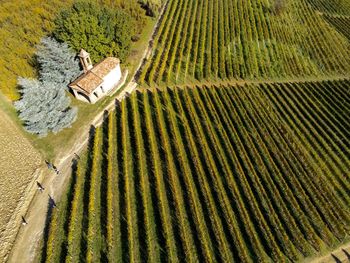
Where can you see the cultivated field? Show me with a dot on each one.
(254, 168)
(211, 174)
(18, 162)
(207, 40)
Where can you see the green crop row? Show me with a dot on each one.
(208, 40)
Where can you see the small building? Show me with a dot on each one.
(97, 80)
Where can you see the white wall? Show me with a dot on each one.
(111, 79)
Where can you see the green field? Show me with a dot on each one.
(244, 40)
(238, 173)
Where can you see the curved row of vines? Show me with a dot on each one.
(211, 174)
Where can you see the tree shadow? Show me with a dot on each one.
(346, 253)
(33, 62)
(85, 222)
(336, 259)
(103, 189)
(46, 231)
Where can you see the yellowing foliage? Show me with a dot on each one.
(22, 24)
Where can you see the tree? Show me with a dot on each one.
(122, 33)
(44, 107)
(151, 6)
(101, 31)
(22, 24)
(58, 63)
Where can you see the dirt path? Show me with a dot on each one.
(28, 237)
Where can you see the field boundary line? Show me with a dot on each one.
(219, 83)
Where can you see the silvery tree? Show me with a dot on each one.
(57, 62)
(44, 107)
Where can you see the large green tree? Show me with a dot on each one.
(152, 6)
(101, 31)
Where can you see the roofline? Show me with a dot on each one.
(75, 82)
(83, 75)
(106, 59)
(77, 88)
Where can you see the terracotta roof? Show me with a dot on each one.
(102, 68)
(90, 80)
(87, 82)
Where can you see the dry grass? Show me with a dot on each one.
(18, 162)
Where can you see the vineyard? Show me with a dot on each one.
(231, 173)
(210, 40)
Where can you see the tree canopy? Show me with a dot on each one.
(24, 24)
(101, 31)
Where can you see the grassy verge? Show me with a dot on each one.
(137, 48)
